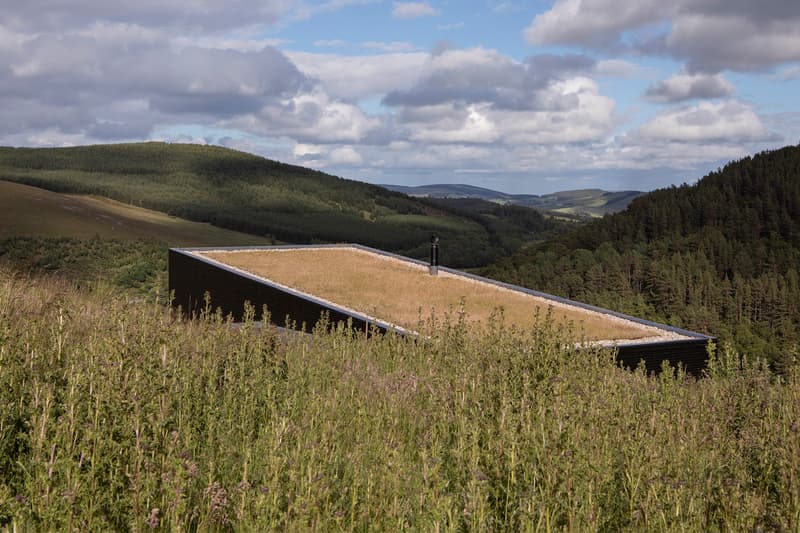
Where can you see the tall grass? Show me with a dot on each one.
(115, 415)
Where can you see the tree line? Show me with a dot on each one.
(720, 257)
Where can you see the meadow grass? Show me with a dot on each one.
(118, 415)
(402, 293)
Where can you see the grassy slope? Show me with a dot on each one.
(34, 212)
(89, 239)
(248, 193)
(582, 203)
(118, 417)
(585, 203)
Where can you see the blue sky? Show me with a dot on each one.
(525, 97)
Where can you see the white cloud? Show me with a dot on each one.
(81, 83)
(240, 43)
(310, 118)
(450, 124)
(586, 116)
(689, 86)
(115, 33)
(408, 10)
(596, 23)
(302, 150)
(715, 42)
(481, 96)
(711, 35)
(478, 75)
(393, 47)
(360, 77)
(589, 119)
(345, 155)
(708, 121)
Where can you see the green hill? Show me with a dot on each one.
(247, 193)
(34, 212)
(719, 257)
(87, 239)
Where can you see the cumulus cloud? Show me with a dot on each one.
(345, 155)
(711, 35)
(711, 43)
(73, 71)
(408, 10)
(707, 121)
(115, 80)
(593, 23)
(309, 117)
(361, 77)
(480, 96)
(690, 86)
(478, 76)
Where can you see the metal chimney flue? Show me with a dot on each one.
(434, 267)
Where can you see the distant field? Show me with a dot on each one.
(403, 293)
(34, 212)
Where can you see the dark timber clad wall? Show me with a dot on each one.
(191, 277)
(690, 353)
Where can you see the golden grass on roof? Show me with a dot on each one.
(402, 293)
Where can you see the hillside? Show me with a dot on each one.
(88, 239)
(118, 416)
(34, 212)
(247, 193)
(581, 203)
(719, 257)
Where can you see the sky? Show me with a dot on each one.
(518, 96)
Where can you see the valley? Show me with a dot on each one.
(577, 204)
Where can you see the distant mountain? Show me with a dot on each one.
(586, 203)
(446, 190)
(247, 193)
